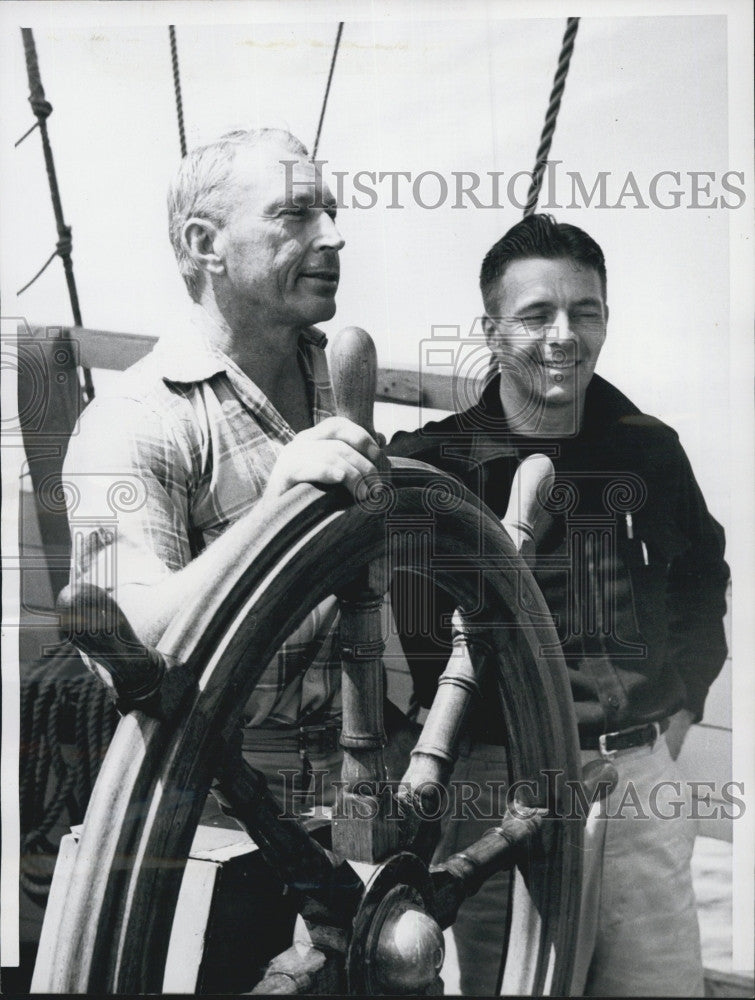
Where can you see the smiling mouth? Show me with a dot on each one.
(331, 277)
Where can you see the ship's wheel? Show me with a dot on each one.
(189, 696)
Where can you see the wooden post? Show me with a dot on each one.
(526, 518)
(435, 754)
(365, 825)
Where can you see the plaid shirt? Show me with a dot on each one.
(159, 467)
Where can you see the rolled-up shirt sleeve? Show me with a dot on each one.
(126, 483)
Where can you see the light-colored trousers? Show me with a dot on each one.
(638, 932)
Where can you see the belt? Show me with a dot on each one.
(610, 744)
(322, 738)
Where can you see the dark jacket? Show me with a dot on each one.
(632, 571)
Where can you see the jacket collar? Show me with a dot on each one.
(492, 437)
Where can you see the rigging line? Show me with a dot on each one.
(40, 272)
(42, 109)
(177, 88)
(26, 135)
(551, 116)
(546, 137)
(327, 89)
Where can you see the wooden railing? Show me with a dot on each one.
(117, 351)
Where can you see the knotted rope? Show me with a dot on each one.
(551, 116)
(177, 88)
(42, 110)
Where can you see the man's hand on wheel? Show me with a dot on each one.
(335, 452)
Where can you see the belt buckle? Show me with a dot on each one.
(608, 755)
(327, 738)
(605, 753)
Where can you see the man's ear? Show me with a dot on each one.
(492, 334)
(204, 244)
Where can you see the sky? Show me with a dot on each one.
(415, 94)
(439, 87)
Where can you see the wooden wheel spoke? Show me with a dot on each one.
(499, 849)
(301, 862)
(435, 754)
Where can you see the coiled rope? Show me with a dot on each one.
(67, 723)
(551, 115)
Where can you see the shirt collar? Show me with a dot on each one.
(190, 356)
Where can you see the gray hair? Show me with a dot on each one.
(200, 187)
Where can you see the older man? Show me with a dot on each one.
(631, 566)
(228, 411)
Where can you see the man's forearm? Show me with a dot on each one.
(150, 608)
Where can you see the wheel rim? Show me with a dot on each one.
(146, 805)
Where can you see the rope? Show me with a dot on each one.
(40, 272)
(63, 776)
(327, 89)
(39, 744)
(58, 710)
(26, 134)
(95, 711)
(26, 786)
(42, 110)
(546, 138)
(84, 775)
(177, 88)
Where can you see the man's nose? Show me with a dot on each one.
(560, 328)
(328, 236)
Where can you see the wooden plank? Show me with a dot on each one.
(187, 936)
(105, 348)
(413, 388)
(50, 401)
(36, 588)
(204, 900)
(56, 903)
(728, 984)
(116, 351)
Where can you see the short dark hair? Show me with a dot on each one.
(539, 236)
